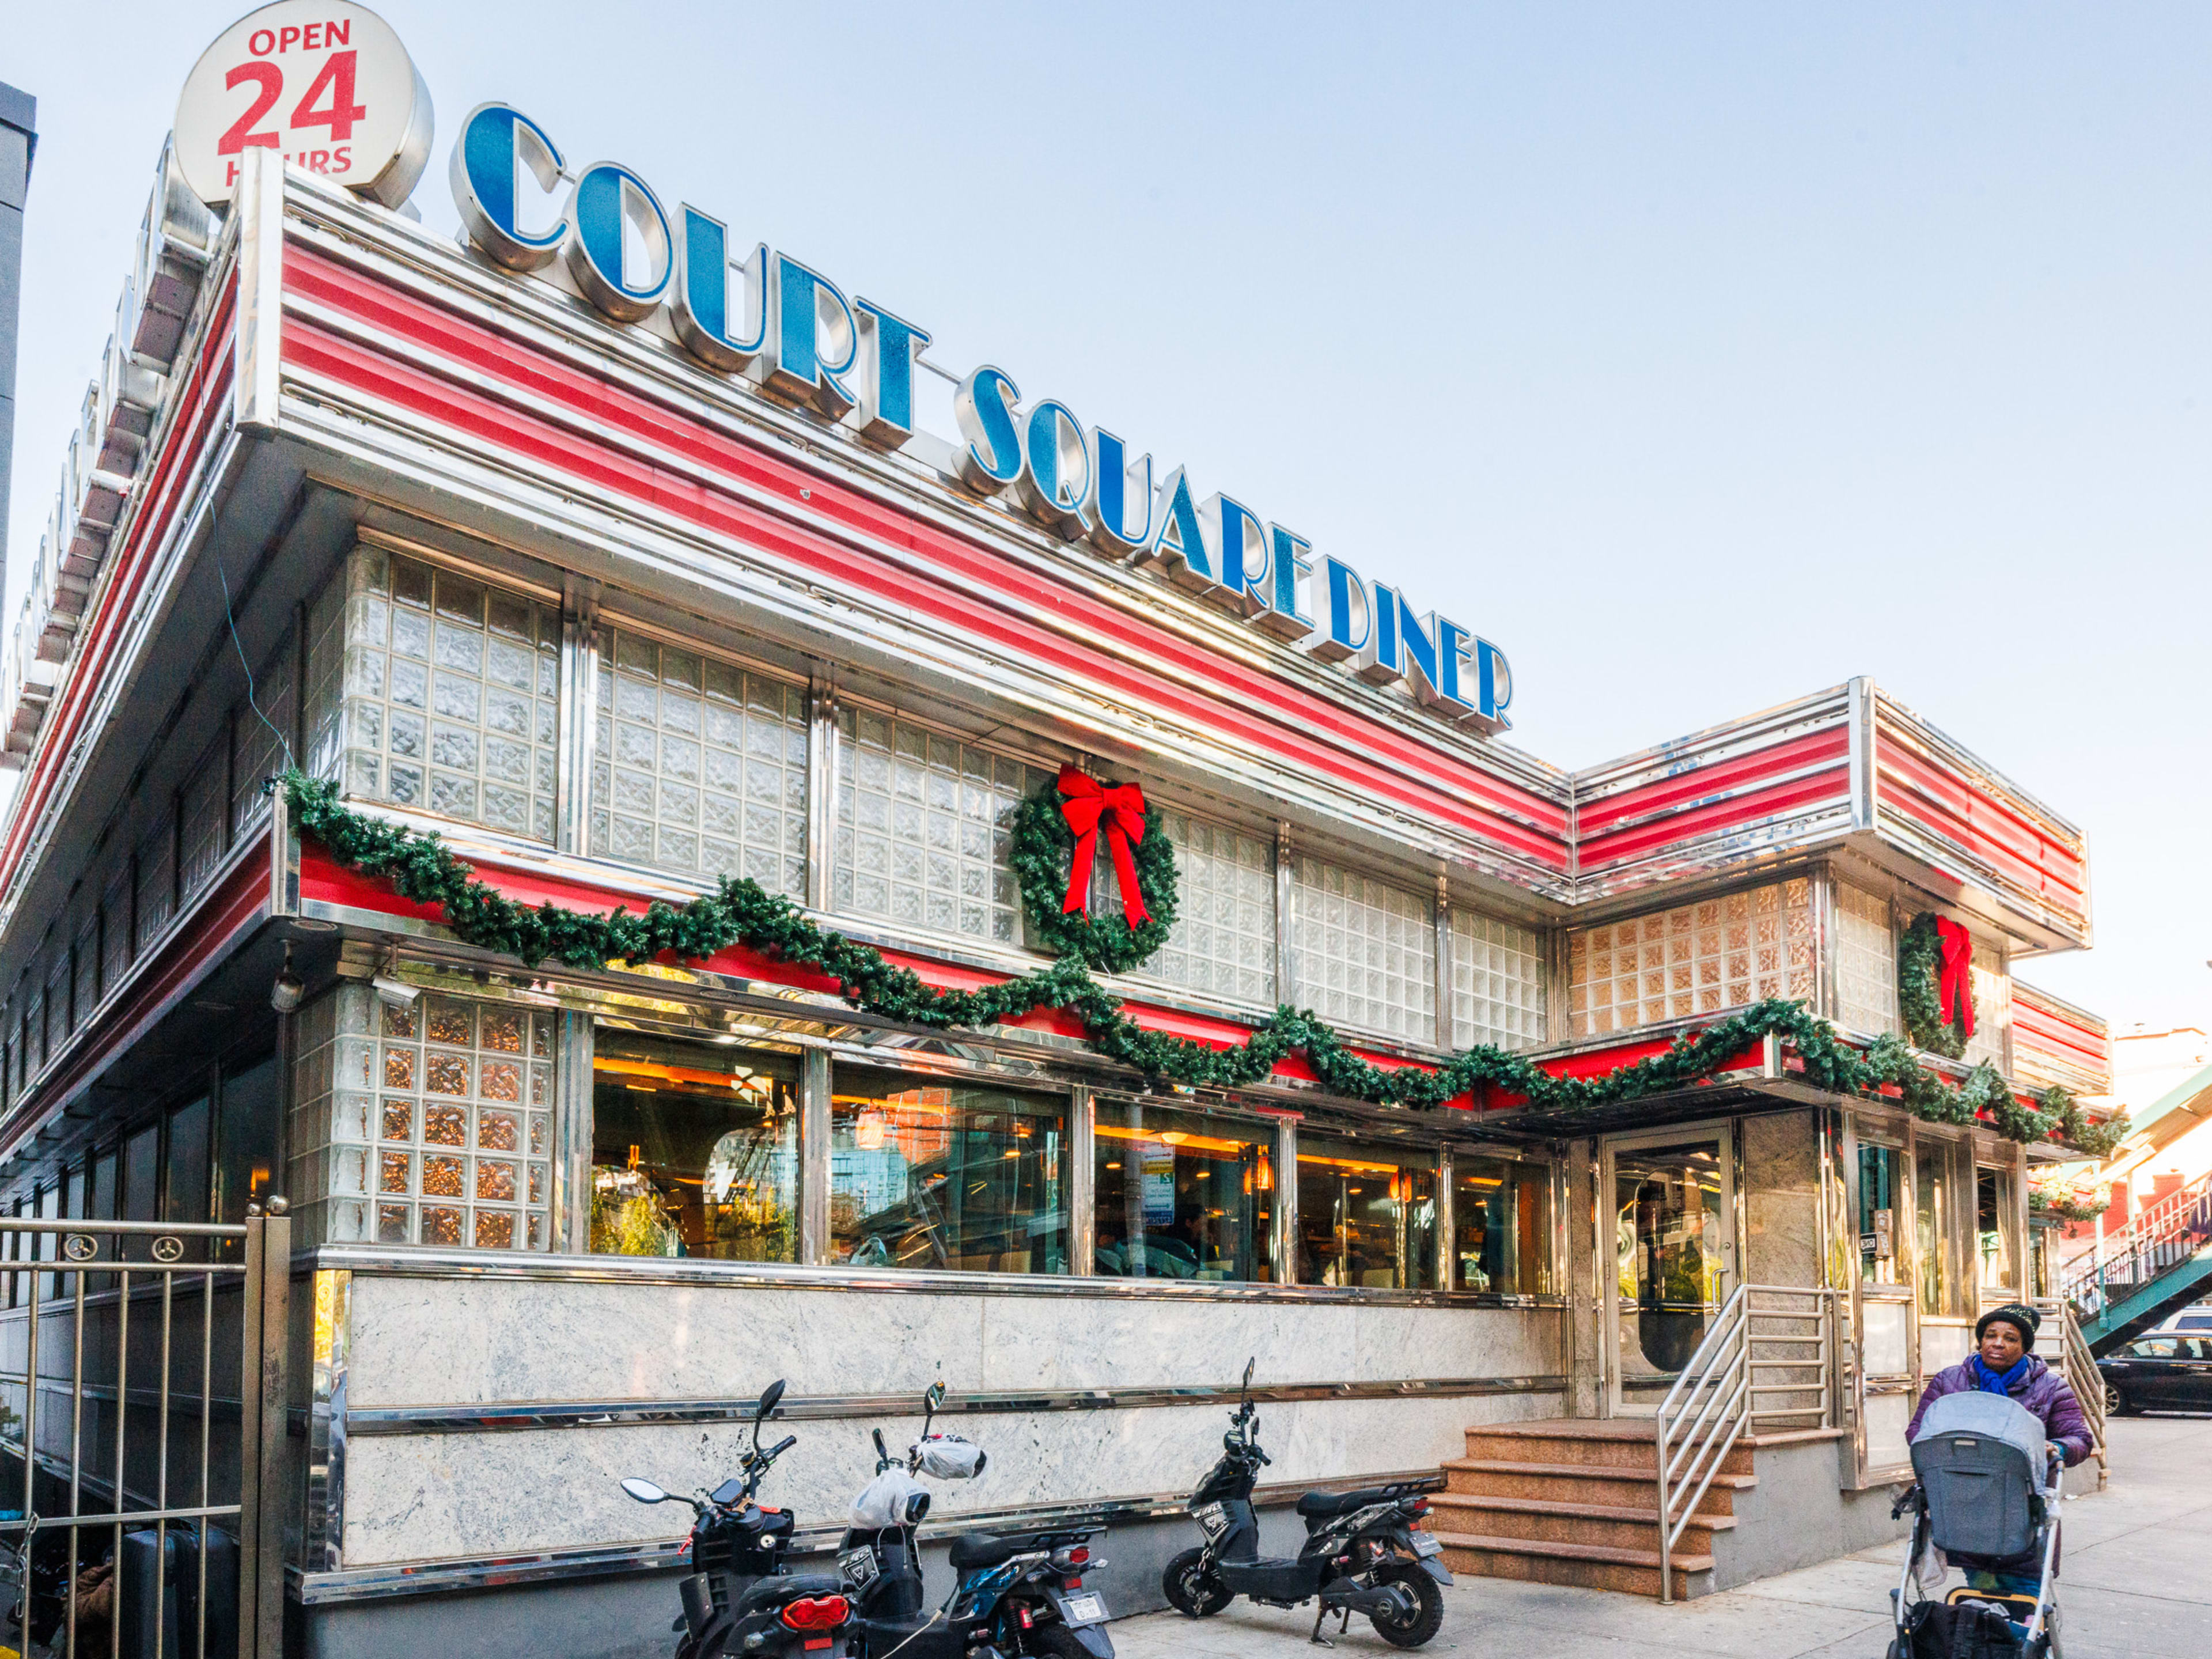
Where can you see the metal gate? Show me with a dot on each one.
(142, 1414)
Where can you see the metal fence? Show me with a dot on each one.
(142, 1412)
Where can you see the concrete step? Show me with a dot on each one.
(1587, 1566)
(1552, 1520)
(1581, 1483)
(1613, 1443)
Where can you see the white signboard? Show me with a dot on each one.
(329, 87)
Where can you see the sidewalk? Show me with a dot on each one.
(2136, 1583)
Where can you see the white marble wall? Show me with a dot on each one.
(424, 1342)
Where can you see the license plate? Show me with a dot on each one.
(1084, 1609)
(1425, 1545)
(1213, 1519)
(858, 1567)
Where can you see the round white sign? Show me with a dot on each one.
(328, 87)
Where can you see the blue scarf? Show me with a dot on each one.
(1996, 1383)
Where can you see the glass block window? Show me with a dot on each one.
(258, 751)
(115, 933)
(203, 811)
(464, 1126)
(84, 959)
(60, 1020)
(157, 880)
(1497, 983)
(923, 822)
(1992, 1009)
(1866, 963)
(450, 692)
(698, 766)
(1366, 952)
(1223, 943)
(1695, 959)
(323, 728)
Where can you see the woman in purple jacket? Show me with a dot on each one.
(2002, 1364)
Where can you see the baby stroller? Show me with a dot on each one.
(1986, 1499)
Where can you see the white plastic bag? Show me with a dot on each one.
(882, 1502)
(951, 1457)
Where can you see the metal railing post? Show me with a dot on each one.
(267, 1459)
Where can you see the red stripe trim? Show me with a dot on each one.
(1303, 727)
(1599, 851)
(205, 395)
(1702, 782)
(1945, 803)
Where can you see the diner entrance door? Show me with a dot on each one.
(1673, 1252)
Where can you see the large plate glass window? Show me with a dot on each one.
(1695, 959)
(694, 1149)
(1366, 951)
(1183, 1195)
(1367, 1213)
(924, 825)
(1882, 1215)
(1994, 1249)
(945, 1173)
(698, 766)
(449, 695)
(1497, 983)
(1501, 1227)
(1931, 1223)
(1992, 989)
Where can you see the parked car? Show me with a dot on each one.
(2163, 1371)
(2197, 1316)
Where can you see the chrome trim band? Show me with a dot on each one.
(421, 1262)
(537, 1567)
(630, 1414)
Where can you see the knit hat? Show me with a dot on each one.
(2012, 1313)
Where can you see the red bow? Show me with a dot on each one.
(1089, 806)
(1955, 986)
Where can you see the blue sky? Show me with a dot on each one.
(1699, 356)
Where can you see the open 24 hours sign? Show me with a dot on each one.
(329, 87)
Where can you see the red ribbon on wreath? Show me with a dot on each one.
(1954, 984)
(1089, 807)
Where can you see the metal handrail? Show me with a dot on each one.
(1714, 1400)
(2154, 1239)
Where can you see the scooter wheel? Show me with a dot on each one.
(1410, 1630)
(1192, 1589)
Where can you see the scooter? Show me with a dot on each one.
(1361, 1555)
(739, 1598)
(1015, 1594)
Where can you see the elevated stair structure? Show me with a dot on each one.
(2159, 1262)
(1575, 1501)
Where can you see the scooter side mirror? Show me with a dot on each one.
(644, 1491)
(930, 1403)
(766, 1408)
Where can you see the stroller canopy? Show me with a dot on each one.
(1980, 1460)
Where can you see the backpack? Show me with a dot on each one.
(1961, 1629)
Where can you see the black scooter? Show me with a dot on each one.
(1361, 1553)
(739, 1598)
(1014, 1593)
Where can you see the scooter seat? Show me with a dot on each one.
(776, 1587)
(987, 1549)
(1317, 1504)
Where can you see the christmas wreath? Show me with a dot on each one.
(1935, 987)
(1056, 837)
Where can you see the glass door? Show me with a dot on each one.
(1674, 1216)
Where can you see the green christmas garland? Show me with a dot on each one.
(2069, 1210)
(1920, 975)
(739, 912)
(1042, 852)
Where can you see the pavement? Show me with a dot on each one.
(2135, 1583)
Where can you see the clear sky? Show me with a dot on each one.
(1699, 356)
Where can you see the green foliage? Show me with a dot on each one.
(1041, 853)
(1919, 974)
(740, 913)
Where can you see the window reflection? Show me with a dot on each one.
(1183, 1195)
(1367, 1214)
(1993, 1227)
(931, 1172)
(1930, 1221)
(694, 1149)
(1881, 1213)
(1502, 1226)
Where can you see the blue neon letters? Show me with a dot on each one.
(791, 329)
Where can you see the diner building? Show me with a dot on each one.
(543, 563)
